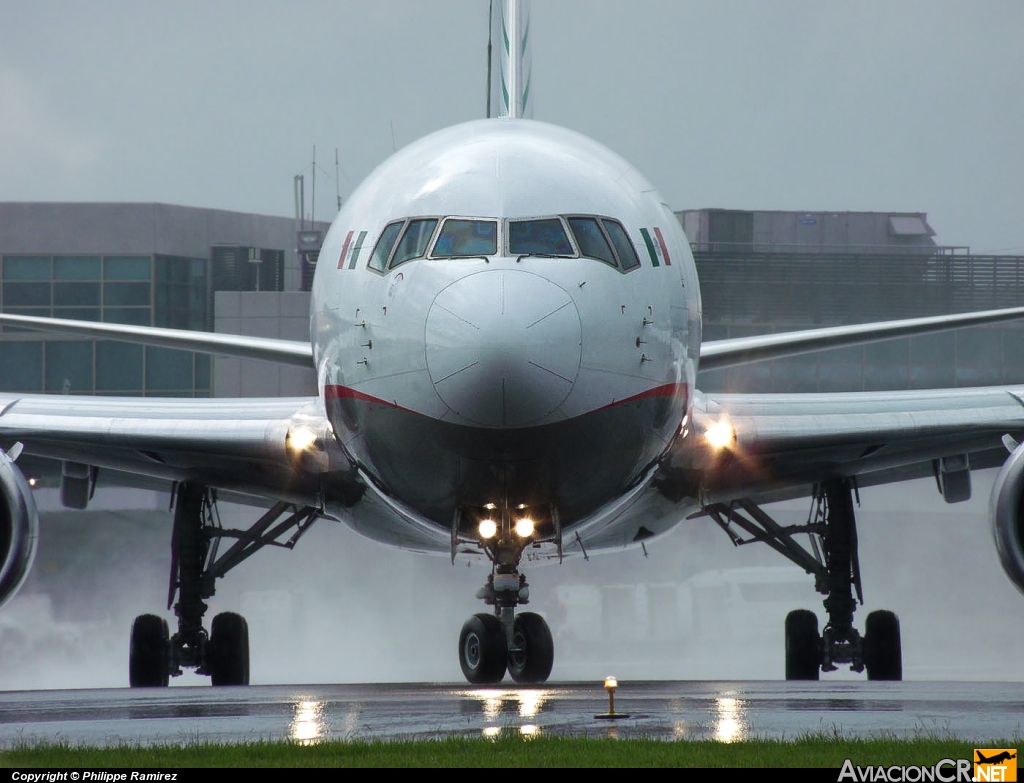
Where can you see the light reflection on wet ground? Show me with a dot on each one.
(727, 711)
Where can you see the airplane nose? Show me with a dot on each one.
(503, 347)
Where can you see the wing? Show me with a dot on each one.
(716, 354)
(235, 444)
(237, 345)
(782, 444)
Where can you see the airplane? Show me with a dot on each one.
(996, 759)
(506, 334)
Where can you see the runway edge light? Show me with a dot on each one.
(611, 684)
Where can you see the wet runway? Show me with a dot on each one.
(728, 711)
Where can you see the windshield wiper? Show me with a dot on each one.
(543, 255)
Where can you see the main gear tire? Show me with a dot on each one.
(149, 653)
(228, 650)
(803, 646)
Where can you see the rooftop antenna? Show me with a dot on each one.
(337, 179)
(299, 184)
(312, 195)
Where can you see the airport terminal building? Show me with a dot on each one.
(140, 264)
(763, 272)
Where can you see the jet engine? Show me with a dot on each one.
(19, 528)
(1006, 509)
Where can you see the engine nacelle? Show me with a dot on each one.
(19, 528)
(1007, 512)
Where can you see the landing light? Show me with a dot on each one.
(487, 528)
(524, 527)
(720, 434)
(300, 438)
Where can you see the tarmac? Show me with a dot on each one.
(665, 710)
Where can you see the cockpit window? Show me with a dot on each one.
(414, 241)
(621, 243)
(460, 237)
(538, 237)
(382, 250)
(591, 239)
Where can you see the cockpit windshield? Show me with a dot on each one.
(555, 236)
(461, 237)
(414, 241)
(545, 237)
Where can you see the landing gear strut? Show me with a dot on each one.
(834, 563)
(491, 644)
(223, 653)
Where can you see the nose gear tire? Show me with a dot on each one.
(534, 650)
(483, 651)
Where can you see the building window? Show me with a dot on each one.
(26, 268)
(69, 361)
(127, 268)
(76, 267)
(118, 367)
(23, 366)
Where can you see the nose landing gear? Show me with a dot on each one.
(491, 644)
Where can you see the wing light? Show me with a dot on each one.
(720, 435)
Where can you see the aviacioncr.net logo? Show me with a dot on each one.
(945, 771)
(995, 764)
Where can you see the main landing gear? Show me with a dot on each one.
(222, 654)
(834, 563)
(492, 643)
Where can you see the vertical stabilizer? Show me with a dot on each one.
(510, 85)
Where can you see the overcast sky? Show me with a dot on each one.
(913, 106)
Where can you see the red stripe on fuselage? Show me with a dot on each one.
(667, 390)
(335, 392)
(344, 249)
(679, 390)
(664, 248)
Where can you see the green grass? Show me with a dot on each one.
(813, 751)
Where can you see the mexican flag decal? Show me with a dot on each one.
(656, 248)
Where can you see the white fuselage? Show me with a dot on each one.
(490, 375)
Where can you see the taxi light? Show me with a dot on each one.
(524, 527)
(720, 434)
(487, 528)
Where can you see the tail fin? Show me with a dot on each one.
(510, 29)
